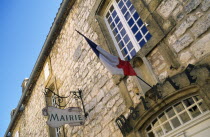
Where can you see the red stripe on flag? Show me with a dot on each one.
(127, 68)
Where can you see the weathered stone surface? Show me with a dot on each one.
(185, 25)
(166, 7)
(191, 5)
(201, 47)
(202, 26)
(77, 53)
(183, 42)
(205, 5)
(185, 57)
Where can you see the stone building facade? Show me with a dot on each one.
(168, 44)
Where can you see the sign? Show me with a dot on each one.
(58, 117)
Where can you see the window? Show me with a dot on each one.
(176, 115)
(128, 31)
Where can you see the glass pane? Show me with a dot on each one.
(167, 127)
(127, 58)
(132, 9)
(188, 102)
(184, 117)
(114, 14)
(111, 9)
(142, 43)
(148, 36)
(144, 29)
(133, 52)
(203, 106)
(179, 107)
(121, 44)
(130, 46)
(138, 36)
(130, 22)
(124, 52)
(194, 111)
(139, 22)
(136, 15)
(175, 122)
(118, 38)
(134, 29)
(151, 134)
(162, 117)
(115, 31)
(149, 128)
(107, 15)
(159, 131)
(112, 26)
(116, 19)
(197, 98)
(123, 32)
(126, 39)
(127, 15)
(110, 19)
(120, 4)
(124, 9)
(170, 112)
(119, 25)
(155, 123)
(128, 3)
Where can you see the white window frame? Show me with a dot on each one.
(125, 26)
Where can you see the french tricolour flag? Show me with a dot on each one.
(114, 64)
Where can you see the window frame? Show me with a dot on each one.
(128, 29)
(186, 124)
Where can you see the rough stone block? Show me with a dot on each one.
(191, 5)
(166, 7)
(185, 25)
(185, 57)
(205, 5)
(183, 42)
(202, 26)
(201, 47)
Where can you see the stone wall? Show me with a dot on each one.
(75, 66)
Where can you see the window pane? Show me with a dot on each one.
(133, 52)
(194, 111)
(122, 32)
(144, 29)
(139, 22)
(127, 15)
(124, 52)
(184, 117)
(136, 15)
(188, 102)
(149, 128)
(132, 9)
(124, 9)
(131, 22)
(115, 31)
(142, 43)
(116, 19)
(114, 14)
(175, 122)
(112, 26)
(121, 44)
(170, 112)
(159, 131)
(162, 117)
(179, 107)
(118, 38)
(155, 123)
(119, 26)
(120, 4)
(134, 29)
(148, 36)
(203, 106)
(112, 8)
(128, 3)
(107, 15)
(130, 46)
(138, 36)
(151, 134)
(110, 19)
(167, 127)
(197, 98)
(126, 39)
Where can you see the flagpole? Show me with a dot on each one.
(143, 81)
